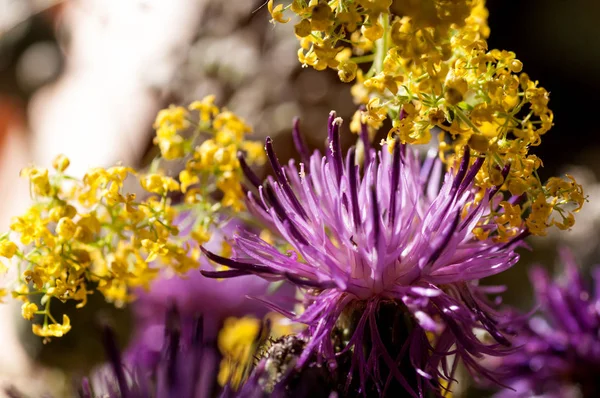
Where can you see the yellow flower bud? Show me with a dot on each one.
(321, 17)
(7, 249)
(516, 186)
(277, 12)
(566, 223)
(373, 32)
(28, 310)
(347, 71)
(206, 107)
(38, 178)
(159, 184)
(200, 235)
(65, 228)
(223, 156)
(171, 148)
(516, 66)
(479, 143)
(54, 330)
(302, 28)
(187, 179)
(60, 163)
(58, 212)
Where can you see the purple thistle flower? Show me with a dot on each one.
(559, 354)
(364, 239)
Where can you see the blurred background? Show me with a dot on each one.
(86, 78)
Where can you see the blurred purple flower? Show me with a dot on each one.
(559, 354)
(179, 371)
(184, 369)
(193, 294)
(363, 239)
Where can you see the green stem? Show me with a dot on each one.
(363, 59)
(382, 45)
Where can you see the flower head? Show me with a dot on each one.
(560, 346)
(361, 240)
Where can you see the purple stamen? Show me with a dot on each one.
(114, 358)
(250, 175)
(283, 215)
(462, 170)
(352, 170)
(470, 176)
(283, 182)
(364, 137)
(299, 142)
(394, 182)
(335, 146)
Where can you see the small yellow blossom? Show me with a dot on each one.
(28, 310)
(159, 184)
(187, 178)
(206, 107)
(277, 12)
(61, 163)
(52, 330)
(303, 28)
(154, 249)
(255, 152)
(174, 116)
(235, 342)
(7, 249)
(38, 178)
(200, 234)
(65, 228)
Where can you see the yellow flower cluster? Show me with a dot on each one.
(425, 64)
(211, 145)
(82, 235)
(85, 235)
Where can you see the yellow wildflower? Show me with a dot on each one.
(154, 249)
(254, 152)
(206, 107)
(65, 228)
(52, 330)
(303, 28)
(235, 342)
(28, 310)
(186, 179)
(233, 196)
(38, 178)
(175, 116)
(277, 12)
(200, 234)
(7, 249)
(61, 163)
(159, 184)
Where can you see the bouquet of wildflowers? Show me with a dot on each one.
(349, 272)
